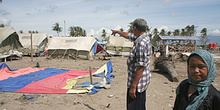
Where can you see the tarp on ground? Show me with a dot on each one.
(9, 39)
(71, 46)
(49, 80)
(39, 42)
(118, 46)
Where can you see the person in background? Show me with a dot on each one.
(197, 92)
(138, 64)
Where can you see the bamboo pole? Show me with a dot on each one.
(31, 49)
(90, 72)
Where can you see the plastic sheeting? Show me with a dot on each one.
(49, 80)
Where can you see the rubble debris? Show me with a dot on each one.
(25, 98)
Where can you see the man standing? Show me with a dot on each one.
(138, 64)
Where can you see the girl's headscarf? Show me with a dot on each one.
(201, 86)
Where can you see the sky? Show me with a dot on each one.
(95, 15)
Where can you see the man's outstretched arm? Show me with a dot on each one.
(123, 34)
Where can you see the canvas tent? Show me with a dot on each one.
(71, 47)
(9, 40)
(118, 46)
(39, 42)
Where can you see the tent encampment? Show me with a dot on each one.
(71, 47)
(118, 46)
(39, 42)
(9, 39)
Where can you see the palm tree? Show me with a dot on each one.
(121, 29)
(169, 33)
(176, 32)
(130, 30)
(148, 29)
(188, 29)
(21, 31)
(204, 38)
(155, 32)
(57, 28)
(150, 35)
(192, 30)
(77, 31)
(72, 31)
(84, 33)
(162, 32)
(182, 33)
(2, 25)
(104, 33)
(156, 37)
(204, 32)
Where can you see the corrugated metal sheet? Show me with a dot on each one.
(178, 38)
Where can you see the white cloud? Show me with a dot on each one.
(89, 0)
(138, 2)
(98, 34)
(5, 21)
(117, 27)
(214, 33)
(125, 13)
(92, 32)
(103, 8)
(167, 2)
(51, 8)
(172, 14)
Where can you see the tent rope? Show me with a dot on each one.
(64, 54)
(52, 53)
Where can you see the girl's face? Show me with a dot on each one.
(197, 68)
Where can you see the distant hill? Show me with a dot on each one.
(213, 39)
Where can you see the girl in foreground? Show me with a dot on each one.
(197, 92)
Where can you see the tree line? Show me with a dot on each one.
(154, 34)
(74, 31)
(189, 31)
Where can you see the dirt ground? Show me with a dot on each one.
(160, 94)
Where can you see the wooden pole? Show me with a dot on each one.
(64, 28)
(90, 72)
(31, 49)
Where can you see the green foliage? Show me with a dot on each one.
(57, 28)
(204, 39)
(2, 25)
(121, 29)
(130, 30)
(104, 33)
(77, 31)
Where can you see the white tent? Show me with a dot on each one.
(9, 39)
(71, 46)
(118, 46)
(39, 42)
(9, 43)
